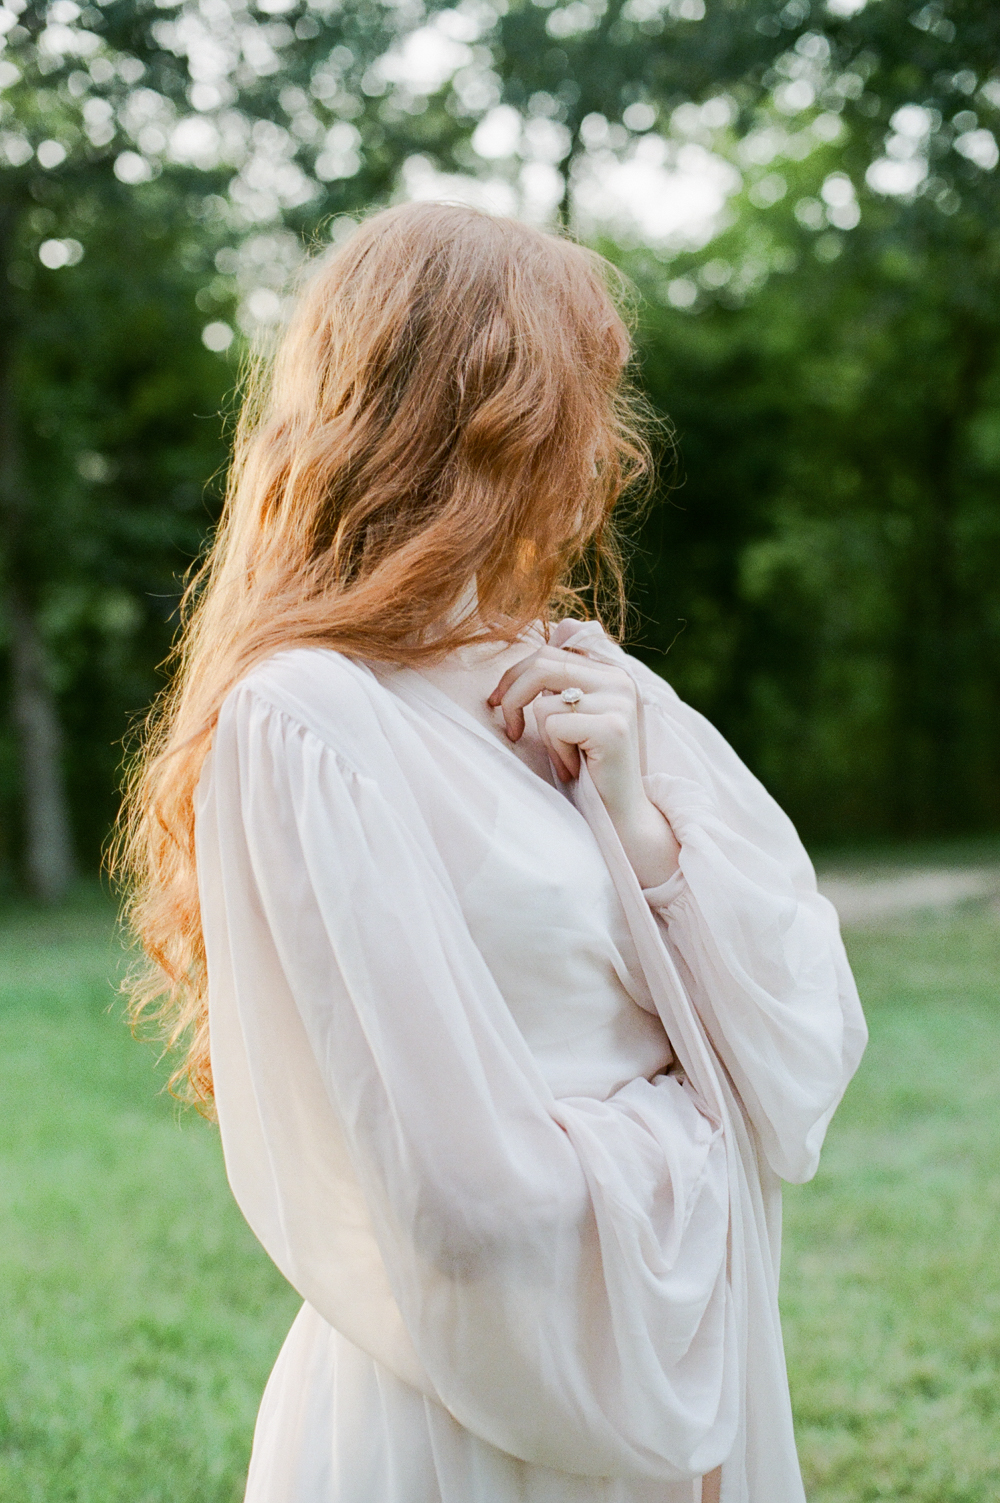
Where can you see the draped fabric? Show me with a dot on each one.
(512, 1127)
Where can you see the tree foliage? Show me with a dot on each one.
(824, 576)
(835, 381)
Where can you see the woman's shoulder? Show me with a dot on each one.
(334, 697)
(591, 638)
(693, 740)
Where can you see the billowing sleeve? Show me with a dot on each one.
(758, 946)
(559, 1266)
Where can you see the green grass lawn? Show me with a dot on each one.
(143, 1316)
(143, 1319)
(891, 1276)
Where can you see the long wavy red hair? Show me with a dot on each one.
(448, 404)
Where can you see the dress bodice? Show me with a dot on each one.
(537, 895)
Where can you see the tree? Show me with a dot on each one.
(831, 362)
(826, 348)
(142, 145)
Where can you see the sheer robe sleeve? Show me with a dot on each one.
(559, 1265)
(757, 945)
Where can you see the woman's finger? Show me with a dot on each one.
(595, 739)
(564, 757)
(600, 727)
(543, 654)
(548, 674)
(604, 731)
(552, 663)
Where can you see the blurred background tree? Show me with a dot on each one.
(805, 197)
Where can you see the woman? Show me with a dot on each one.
(510, 985)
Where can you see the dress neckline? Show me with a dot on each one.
(410, 684)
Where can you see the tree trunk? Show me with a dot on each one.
(48, 841)
(48, 854)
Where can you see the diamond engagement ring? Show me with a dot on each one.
(571, 697)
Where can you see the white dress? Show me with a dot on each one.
(537, 1242)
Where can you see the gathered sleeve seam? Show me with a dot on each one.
(301, 726)
(665, 897)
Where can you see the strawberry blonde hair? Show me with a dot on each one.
(447, 404)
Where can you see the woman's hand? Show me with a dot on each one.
(603, 727)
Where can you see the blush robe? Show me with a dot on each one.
(513, 1127)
